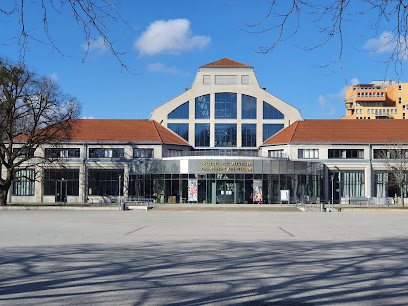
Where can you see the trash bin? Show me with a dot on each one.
(123, 206)
(322, 207)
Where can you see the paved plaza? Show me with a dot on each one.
(203, 258)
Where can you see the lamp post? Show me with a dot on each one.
(332, 195)
(120, 199)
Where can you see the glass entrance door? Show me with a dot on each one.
(61, 191)
(225, 192)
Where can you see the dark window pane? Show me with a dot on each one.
(24, 183)
(202, 135)
(66, 153)
(226, 105)
(225, 135)
(180, 112)
(202, 107)
(142, 153)
(106, 153)
(180, 129)
(270, 112)
(271, 129)
(249, 135)
(248, 107)
(104, 182)
(70, 176)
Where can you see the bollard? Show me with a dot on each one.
(322, 209)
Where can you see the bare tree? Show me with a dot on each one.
(33, 111)
(94, 17)
(284, 19)
(395, 159)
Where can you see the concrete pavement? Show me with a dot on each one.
(202, 258)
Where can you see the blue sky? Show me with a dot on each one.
(171, 39)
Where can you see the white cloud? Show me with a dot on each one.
(330, 103)
(95, 44)
(54, 76)
(383, 44)
(159, 67)
(173, 36)
(87, 117)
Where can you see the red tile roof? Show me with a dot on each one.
(121, 130)
(226, 63)
(343, 131)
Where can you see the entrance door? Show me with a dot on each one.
(225, 192)
(61, 191)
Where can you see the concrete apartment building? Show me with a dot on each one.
(377, 100)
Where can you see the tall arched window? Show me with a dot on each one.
(180, 112)
(248, 107)
(202, 107)
(270, 112)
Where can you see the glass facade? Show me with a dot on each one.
(202, 135)
(248, 107)
(180, 129)
(225, 135)
(23, 182)
(202, 107)
(180, 112)
(226, 181)
(61, 182)
(104, 182)
(225, 105)
(271, 129)
(270, 112)
(248, 135)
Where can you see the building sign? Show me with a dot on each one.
(192, 190)
(226, 166)
(257, 191)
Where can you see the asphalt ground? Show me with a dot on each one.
(203, 258)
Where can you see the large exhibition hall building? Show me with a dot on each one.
(224, 140)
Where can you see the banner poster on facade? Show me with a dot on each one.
(257, 191)
(192, 190)
(284, 195)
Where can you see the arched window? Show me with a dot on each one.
(202, 107)
(248, 107)
(180, 112)
(269, 112)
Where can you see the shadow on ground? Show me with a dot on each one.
(208, 272)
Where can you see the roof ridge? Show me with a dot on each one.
(155, 128)
(293, 134)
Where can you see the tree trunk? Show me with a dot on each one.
(5, 187)
(402, 195)
(3, 197)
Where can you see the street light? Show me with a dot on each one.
(332, 195)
